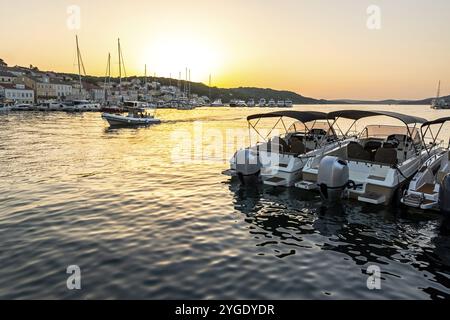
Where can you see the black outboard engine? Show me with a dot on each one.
(248, 166)
(444, 196)
(333, 178)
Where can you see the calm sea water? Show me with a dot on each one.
(145, 213)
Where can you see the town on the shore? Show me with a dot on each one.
(28, 85)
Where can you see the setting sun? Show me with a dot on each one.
(170, 54)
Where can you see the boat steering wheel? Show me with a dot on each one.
(394, 141)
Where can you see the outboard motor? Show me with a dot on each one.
(248, 166)
(444, 196)
(333, 178)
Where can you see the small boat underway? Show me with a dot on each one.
(425, 189)
(138, 115)
(80, 106)
(374, 168)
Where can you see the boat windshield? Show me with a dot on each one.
(316, 127)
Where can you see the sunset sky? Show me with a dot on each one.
(317, 48)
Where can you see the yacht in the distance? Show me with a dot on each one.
(217, 103)
(288, 103)
(280, 103)
(262, 103)
(271, 103)
(80, 106)
(241, 104)
(251, 103)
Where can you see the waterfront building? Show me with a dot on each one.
(6, 76)
(18, 93)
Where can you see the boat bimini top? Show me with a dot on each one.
(406, 139)
(311, 128)
(361, 114)
(426, 128)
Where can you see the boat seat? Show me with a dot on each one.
(355, 151)
(388, 145)
(276, 145)
(296, 146)
(386, 156)
(371, 147)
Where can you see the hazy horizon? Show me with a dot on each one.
(315, 48)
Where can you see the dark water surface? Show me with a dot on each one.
(145, 213)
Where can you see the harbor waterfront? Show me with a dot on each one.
(145, 213)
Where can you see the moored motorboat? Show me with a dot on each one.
(288, 104)
(425, 191)
(80, 106)
(262, 103)
(375, 167)
(278, 160)
(22, 107)
(4, 107)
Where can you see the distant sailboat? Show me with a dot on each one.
(80, 105)
(439, 103)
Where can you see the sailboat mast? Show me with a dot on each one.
(146, 82)
(189, 84)
(107, 76)
(439, 90)
(210, 87)
(79, 63)
(185, 83)
(120, 65)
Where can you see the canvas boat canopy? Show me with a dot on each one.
(360, 114)
(437, 121)
(426, 128)
(302, 116)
